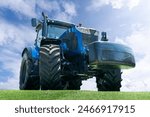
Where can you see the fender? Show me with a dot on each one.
(32, 52)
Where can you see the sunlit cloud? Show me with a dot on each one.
(63, 10)
(138, 79)
(115, 4)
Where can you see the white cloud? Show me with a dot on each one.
(32, 8)
(48, 5)
(69, 8)
(12, 41)
(116, 4)
(138, 79)
(60, 10)
(14, 35)
(132, 3)
(24, 7)
(12, 83)
(11, 62)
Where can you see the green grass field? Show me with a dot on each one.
(71, 95)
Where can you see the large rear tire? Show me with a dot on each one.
(50, 68)
(26, 80)
(109, 80)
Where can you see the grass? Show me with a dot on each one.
(71, 95)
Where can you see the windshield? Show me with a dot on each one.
(55, 31)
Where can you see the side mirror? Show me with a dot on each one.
(34, 22)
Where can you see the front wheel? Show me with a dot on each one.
(50, 68)
(109, 80)
(27, 81)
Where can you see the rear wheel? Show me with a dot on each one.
(27, 81)
(109, 80)
(50, 68)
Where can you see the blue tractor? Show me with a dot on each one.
(64, 54)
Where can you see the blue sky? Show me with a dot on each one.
(125, 21)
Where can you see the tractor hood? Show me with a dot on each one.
(106, 54)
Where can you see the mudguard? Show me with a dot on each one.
(33, 53)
